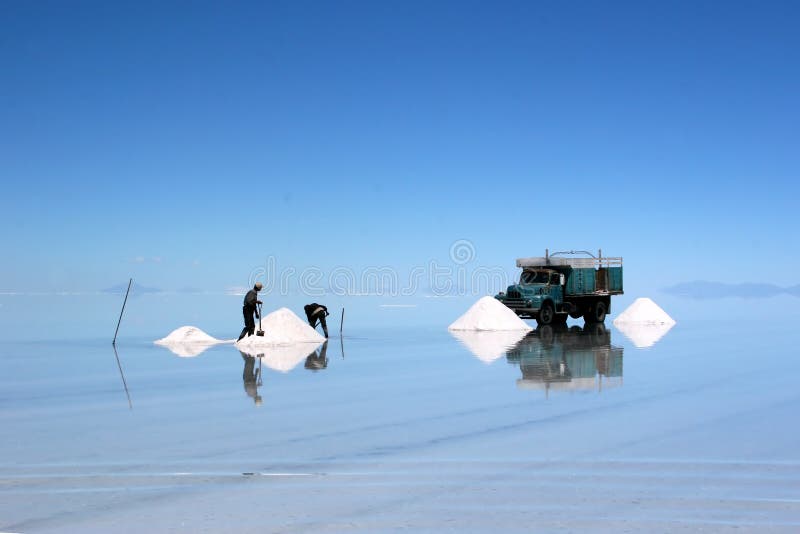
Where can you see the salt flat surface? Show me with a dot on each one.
(568, 430)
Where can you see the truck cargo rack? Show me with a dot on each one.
(592, 262)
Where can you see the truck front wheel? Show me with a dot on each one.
(546, 314)
(596, 312)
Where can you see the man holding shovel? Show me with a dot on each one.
(249, 309)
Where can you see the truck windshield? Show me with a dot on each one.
(534, 277)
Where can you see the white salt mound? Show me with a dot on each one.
(644, 323)
(188, 334)
(644, 311)
(489, 314)
(281, 327)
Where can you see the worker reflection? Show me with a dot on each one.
(318, 359)
(317, 312)
(251, 376)
(249, 309)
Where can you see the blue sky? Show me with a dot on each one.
(183, 143)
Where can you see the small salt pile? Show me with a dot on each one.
(644, 311)
(188, 341)
(187, 334)
(282, 327)
(489, 314)
(644, 323)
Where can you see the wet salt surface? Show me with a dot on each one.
(568, 430)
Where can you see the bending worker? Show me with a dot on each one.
(249, 309)
(317, 312)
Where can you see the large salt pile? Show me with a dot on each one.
(281, 327)
(188, 341)
(488, 346)
(644, 322)
(489, 314)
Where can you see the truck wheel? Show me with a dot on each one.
(546, 314)
(596, 313)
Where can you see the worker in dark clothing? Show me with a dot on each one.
(317, 312)
(249, 309)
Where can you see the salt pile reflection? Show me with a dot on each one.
(643, 335)
(488, 346)
(283, 358)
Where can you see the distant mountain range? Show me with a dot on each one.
(701, 289)
(136, 289)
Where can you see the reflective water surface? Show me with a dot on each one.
(420, 429)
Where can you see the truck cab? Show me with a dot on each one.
(538, 289)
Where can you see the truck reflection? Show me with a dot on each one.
(567, 358)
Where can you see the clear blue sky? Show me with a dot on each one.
(213, 135)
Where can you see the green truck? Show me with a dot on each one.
(565, 284)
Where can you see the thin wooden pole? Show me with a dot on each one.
(114, 342)
(341, 337)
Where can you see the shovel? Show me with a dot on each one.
(259, 332)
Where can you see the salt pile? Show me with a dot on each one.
(188, 334)
(489, 314)
(644, 323)
(488, 346)
(644, 311)
(281, 327)
(188, 341)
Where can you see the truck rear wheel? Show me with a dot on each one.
(546, 314)
(596, 312)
